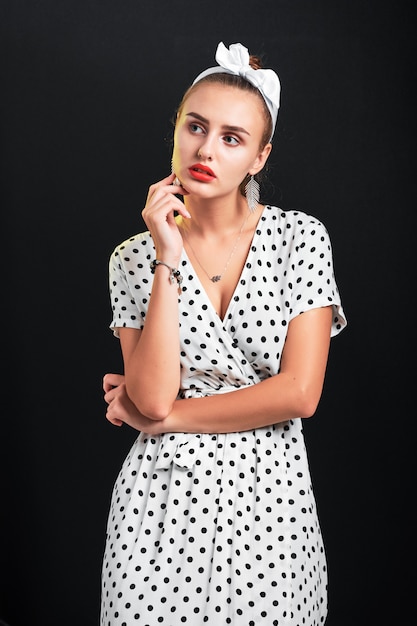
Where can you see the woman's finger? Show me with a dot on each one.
(111, 380)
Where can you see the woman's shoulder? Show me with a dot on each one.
(135, 243)
(290, 219)
(276, 213)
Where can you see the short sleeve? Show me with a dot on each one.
(129, 282)
(313, 280)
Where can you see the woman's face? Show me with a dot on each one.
(217, 140)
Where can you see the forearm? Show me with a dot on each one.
(152, 367)
(271, 401)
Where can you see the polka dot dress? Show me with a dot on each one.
(222, 529)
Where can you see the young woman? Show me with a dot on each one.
(224, 308)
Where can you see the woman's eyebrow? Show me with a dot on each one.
(236, 129)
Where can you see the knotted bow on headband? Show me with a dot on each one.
(236, 61)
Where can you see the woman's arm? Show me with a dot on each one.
(152, 356)
(120, 408)
(294, 392)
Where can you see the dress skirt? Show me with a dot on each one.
(215, 529)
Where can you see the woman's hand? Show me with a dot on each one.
(121, 410)
(159, 216)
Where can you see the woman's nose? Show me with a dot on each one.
(205, 151)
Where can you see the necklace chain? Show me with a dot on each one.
(216, 277)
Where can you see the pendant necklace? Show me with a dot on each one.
(217, 277)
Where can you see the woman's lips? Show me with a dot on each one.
(202, 173)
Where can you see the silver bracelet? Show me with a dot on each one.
(174, 274)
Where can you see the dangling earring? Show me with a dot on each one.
(176, 180)
(252, 193)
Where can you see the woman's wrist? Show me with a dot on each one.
(175, 276)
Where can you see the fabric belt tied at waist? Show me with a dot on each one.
(178, 448)
(182, 449)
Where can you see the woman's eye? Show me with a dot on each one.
(195, 128)
(232, 141)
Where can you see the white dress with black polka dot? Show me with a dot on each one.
(222, 529)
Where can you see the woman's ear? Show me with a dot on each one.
(261, 159)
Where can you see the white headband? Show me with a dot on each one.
(236, 61)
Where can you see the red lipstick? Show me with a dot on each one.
(202, 173)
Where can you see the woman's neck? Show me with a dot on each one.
(214, 216)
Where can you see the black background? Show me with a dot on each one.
(88, 89)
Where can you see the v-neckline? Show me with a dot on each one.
(203, 290)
